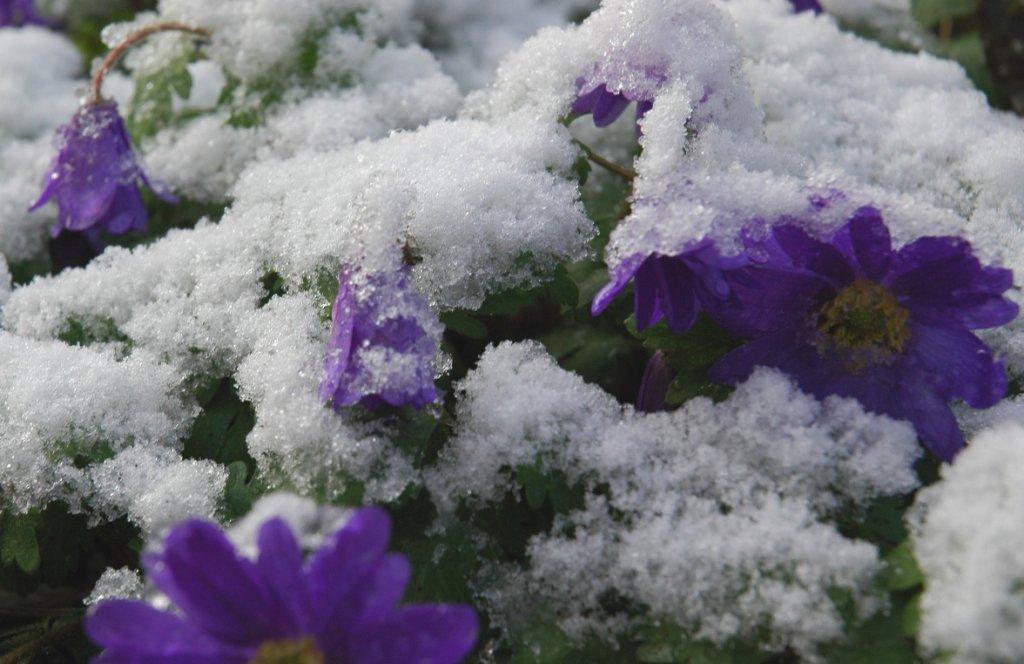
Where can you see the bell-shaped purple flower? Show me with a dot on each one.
(855, 318)
(95, 176)
(806, 6)
(384, 338)
(20, 12)
(675, 288)
(341, 606)
(594, 97)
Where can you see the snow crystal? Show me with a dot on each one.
(155, 487)
(120, 583)
(5, 281)
(310, 522)
(37, 86)
(749, 481)
(968, 541)
(250, 39)
(61, 402)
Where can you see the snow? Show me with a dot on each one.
(116, 583)
(969, 544)
(699, 513)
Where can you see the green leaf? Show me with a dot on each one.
(462, 322)
(903, 572)
(667, 644)
(414, 433)
(220, 431)
(562, 288)
(152, 105)
(237, 493)
(930, 13)
(879, 640)
(534, 483)
(542, 644)
(911, 619)
(18, 542)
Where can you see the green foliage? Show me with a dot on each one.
(152, 105)
(879, 640)
(930, 13)
(668, 644)
(87, 330)
(902, 570)
(220, 430)
(689, 355)
(18, 542)
(541, 485)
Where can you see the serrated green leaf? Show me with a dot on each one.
(18, 542)
(152, 105)
(903, 572)
(463, 322)
(930, 13)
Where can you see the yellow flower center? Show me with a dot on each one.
(865, 316)
(289, 651)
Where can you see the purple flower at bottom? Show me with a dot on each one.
(338, 607)
(672, 287)
(384, 337)
(95, 176)
(20, 12)
(807, 6)
(605, 106)
(891, 328)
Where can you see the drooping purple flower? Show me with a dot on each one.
(384, 337)
(338, 607)
(594, 97)
(672, 287)
(891, 328)
(95, 176)
(807, 6)
(20, 12)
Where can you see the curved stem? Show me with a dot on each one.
(115, 54)
(48, 637)
(623, 172)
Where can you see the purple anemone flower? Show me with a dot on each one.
(384, 337)
(20, 12)
(807, 6)
(605, 106)
(675, 288)
(338, 607)
(95, 176)
(891, 328)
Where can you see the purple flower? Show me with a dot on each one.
(384, 337)
(20, 12)
(672, 287)
(339, 607)
(806, 6)
(95, 175)
(890, 328)
(605, 106)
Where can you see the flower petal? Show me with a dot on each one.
(425, 634)
(812, 254)
(608, 107)
(216, 589)
(134, 631)
(958, 364)
(280, 566)
(872, 245)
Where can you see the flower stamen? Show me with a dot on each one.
(289, 651)
(865, 316)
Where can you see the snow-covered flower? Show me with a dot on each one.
(340, 606)
(20, 12)
(856, 318)
(672, 287)
(95, 176)
(605, 105)
(384, 337)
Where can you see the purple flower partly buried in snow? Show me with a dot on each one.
(890, 328)
(672, 287)
(384, 337)
(339, 607)
(806, 6)
(594, 97)
(95, 176)
(20, 12)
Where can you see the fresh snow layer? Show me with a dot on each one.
(700, 514)
(968, 542)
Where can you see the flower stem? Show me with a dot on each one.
(49, 636)
(115, 54)
(623, 172)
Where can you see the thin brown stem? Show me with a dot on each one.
(115, 54)
(623, 172)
